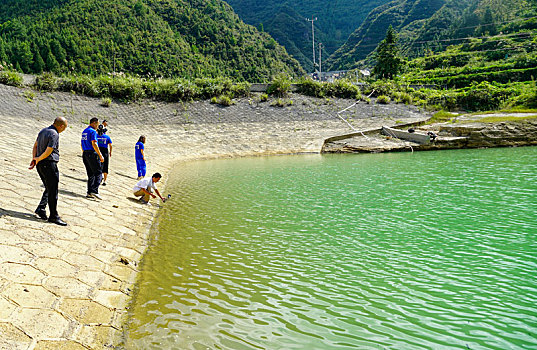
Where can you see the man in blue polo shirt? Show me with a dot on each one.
(92, 158)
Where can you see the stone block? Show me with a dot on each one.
(30, 296)
(98, 337)
(55, 267)
(21, 273)
(68, 287)
(12, 338)
(41, 324)
(59, 345)
(111, 299)
(6, 308)
(10, 253)
(87, 312)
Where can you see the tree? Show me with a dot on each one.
(51, 64)
(24, 56)
(389, 62)
(3, 55)
(38, 65)
(488, 25)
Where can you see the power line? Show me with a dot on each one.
(492, 50)
(474, 37)
(489, 38)
(496, 23)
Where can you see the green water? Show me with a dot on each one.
(431, 250)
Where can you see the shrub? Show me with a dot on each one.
(186, 90)
(106, 102)
(403, 97)
(46, 82)
(81, 84)
(444, 99)
(484, 96)
(263, 98)
(241, 89)
(280, 85)
(313, 88)
(212, 87)
(125, 88)
(382, 87)
(222, 100)
(161, 89)
(282, 102)
(343, 89)
(11, 78)
(383, 99)
(29, 95)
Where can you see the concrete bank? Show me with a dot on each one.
(68, 287)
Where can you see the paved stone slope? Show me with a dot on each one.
(69, 287)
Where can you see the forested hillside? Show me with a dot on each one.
(185, 38)
(286, 21)
(433, 25)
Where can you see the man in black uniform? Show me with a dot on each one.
(45, 158)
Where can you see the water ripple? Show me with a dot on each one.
(435, 250)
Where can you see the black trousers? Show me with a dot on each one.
(93, 170)
(106, 157)
(49, 174)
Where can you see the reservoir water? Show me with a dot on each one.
(431, 250)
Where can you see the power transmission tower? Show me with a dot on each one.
(312, 38)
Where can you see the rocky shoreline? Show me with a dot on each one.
(449, 136)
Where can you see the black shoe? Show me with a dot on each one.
(58, 221)
(41, 213)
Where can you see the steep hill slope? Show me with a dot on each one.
(286, 21)
(425, 25)
(146, 37)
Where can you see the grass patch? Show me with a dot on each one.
(106, 102)
(499, 119)
(282, 102)
(11, 78)
(441, 117)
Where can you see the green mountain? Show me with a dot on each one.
(185, 38)
(430, 25)
(286, 21)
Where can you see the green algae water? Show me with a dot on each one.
(431, 250)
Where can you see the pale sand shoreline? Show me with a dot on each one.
(65, 287)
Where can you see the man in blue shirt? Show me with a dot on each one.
(45, 156)
(92, 158)
(140, 157)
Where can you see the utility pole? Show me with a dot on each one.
(320, 70)
(312, 38)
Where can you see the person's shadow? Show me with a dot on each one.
(74, 178)
(71, 194)
(124, 175)
(18, 215)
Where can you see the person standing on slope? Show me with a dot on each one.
(140, 157)
(105, 146)
(45, 156)
(92, 158)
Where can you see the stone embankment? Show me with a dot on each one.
(69, 287)
(471, 134)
